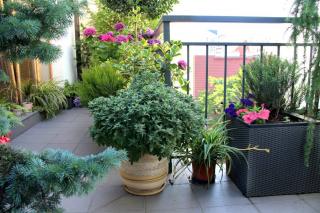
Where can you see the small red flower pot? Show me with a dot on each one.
(200, 175)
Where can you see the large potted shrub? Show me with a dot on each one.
(149, 121)
(263, 120)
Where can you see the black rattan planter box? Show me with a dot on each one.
(280, 172)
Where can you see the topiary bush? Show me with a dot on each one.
(36, 182)
(147, 118)
(152, 8)
(100, 81)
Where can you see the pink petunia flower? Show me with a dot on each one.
(182, 64)
(89, 31)
(106, 38)
(119, 26)
(121, 39)
(264, 114)
(241, 111)
(250, 117)
(130, 37)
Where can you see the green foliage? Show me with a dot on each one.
(270, 80)
(4, 78)
(27, 26)
(48, 98)
(70, 90)
(151, 8)
(147, 118)
(216, 94)
(100, 81)
(309, 145)
(36, 182)
(306, 25)
(7, 121)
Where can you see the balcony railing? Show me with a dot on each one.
(164, 28)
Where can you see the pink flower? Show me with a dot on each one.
(106, 38)
(242, 111)
(264, 114)
(182, 64)
(121, 39)
(250, 117)
(140, 37)
(89, 31)
(130, 37)
(119, 26)
(4, 139)
(110, 33)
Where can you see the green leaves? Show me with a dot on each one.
(147, 118)
(8, 120)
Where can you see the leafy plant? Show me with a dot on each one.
(70, 90)
(36, 182)
(151, 8)
(147, 118)
(48, 98)
(270, 79)
(100, 81)
(7, 121)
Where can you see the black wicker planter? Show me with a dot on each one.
(280, 172)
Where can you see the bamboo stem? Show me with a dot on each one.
(13, 80)
(51, 71)
(18, 81)
(1, 4)
(38, 70)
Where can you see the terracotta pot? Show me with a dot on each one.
(28, 106)
(148, 176)
(200, 174)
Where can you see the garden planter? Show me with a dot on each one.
(200, 174)
(148, 176)
(28, 106)
(282, 171)
(70, 102)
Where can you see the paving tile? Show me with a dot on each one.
(173, 197)
(285, 207)
(88, 148)
(41, 139)
(312, 200)
(190, 210)
(77, 204)
(232, 209)
(35, 147)
(67, 146)
(275, 199)
(219, 194)
(126, 203)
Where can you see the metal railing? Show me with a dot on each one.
(164, 28)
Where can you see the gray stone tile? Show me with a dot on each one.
(86, 149)
(190, 210)
(41, 139)
(126, 203)
(35, 147)
(289, 206)
(275, 199)
(66, 146)
(312, 200)
(173, 197)
(232, 209)
(77, 204)
(219, 194)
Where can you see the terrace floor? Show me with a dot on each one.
(69, 130)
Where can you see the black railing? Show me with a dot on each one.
(164, 28)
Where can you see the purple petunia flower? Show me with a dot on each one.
(119, 26)
(231, 111)
(140, 37)
(77, 102)
(154, 41)
(110, 33)
(148, 34)
(130, 37)
(89, 31)
(246, 102)
(182, 64)
(121, 39)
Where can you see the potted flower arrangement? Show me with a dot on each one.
(211, 150)
(149, 120)
(264, 120)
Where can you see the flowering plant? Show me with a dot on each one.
(248, 111)
(5, 138)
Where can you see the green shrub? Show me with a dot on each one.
(100, 81)
(147, 118)
(270, 80)
(48, 98)
(70, 90)
(36, 182)
(152, 8)
(8, 120)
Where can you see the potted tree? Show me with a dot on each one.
(264, 120)
(149, 121)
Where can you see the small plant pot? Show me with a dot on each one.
(17, 112)
(70, 102)
(28, 106)
(200, 175)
